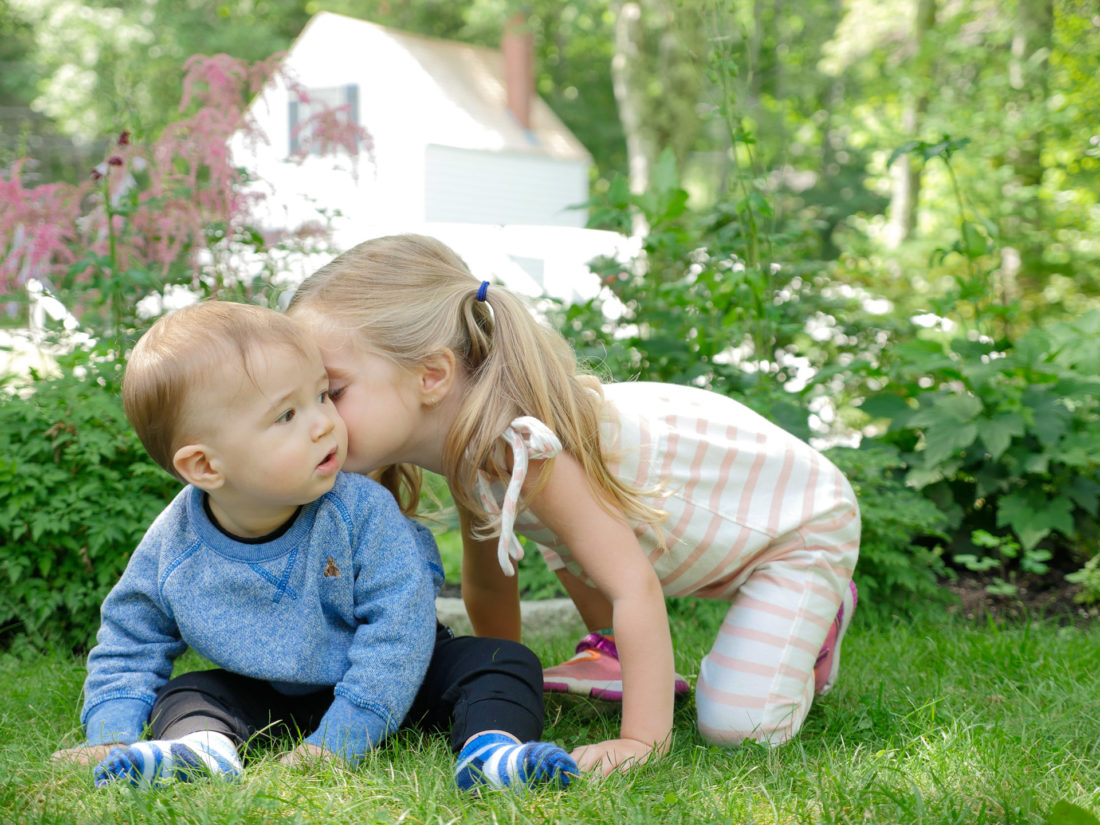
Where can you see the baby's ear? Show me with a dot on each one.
(197, 465)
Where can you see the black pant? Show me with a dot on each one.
(472, 684)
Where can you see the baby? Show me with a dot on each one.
(306, 587)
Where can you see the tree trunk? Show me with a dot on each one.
(906, 173)
(1028, 75)
(830, 140)
(627, 75)
(1028, 69)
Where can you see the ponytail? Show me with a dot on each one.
(404, 297)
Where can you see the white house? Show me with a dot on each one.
(462, 148)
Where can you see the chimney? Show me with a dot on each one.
(518, 49)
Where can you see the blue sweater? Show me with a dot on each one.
(344, 598)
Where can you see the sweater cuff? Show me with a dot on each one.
(117, 721)
(349, 730)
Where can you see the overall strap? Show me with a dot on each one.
(529, 438)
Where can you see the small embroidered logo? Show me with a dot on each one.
(331, 569)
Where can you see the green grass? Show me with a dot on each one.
(934, 721)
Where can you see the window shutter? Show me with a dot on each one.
(351, 92)
(292, 118)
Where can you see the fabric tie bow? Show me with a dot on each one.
(529, 438)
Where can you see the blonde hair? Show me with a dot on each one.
(174, 358)
(405, 297)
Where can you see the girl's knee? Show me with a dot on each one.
(730, 725)
(732, 733)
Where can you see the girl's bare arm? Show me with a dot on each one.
(606, 548)
(491, 598)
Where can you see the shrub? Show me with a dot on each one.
(78, 492)
(712, 300)
(1089, 579)
(156, 216)
(899, 555)
(1005, 438)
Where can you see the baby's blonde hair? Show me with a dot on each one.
(405, 297)
(174, 359)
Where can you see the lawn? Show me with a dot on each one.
(936, 720)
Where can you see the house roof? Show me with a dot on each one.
(453, 93)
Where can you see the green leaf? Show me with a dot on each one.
(997, 432)
(974, 563)
(921, 477)
(983, 538)
(971, 350)
(904, 149)
(947, 409)
(960, 407)
(664, 177)
(1032, 515)
(1080, 449)
(1049, 429)
(922, 355)
(943, 441)
(1066, 813)
(884, 405)
(1085, 493)
(1048, 415)
(676, 205)
(1038, 463)
(974, 243)
(757, 203)
(945, 147)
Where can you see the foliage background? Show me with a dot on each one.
(874, 221)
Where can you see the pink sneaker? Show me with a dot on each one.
(828, 660)
(594, 671)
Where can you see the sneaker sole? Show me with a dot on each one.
(610, 691)
(851, 599)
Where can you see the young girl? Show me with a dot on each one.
(632, 492)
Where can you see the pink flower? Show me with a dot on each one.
(184, 183)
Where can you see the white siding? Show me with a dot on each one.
(469, 186)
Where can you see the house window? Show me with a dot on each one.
(310, 110)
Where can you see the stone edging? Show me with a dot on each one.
(540, 618)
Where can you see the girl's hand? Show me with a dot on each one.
(614, 754)
(84, 754)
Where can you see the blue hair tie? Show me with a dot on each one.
(483, 290)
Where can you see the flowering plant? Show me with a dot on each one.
(174, 213)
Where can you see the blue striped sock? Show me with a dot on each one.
(162, 761)
(497, 761)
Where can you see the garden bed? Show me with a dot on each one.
(1047, 597)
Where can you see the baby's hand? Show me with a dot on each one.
(84, 754)
(305, 754)
(614, 754)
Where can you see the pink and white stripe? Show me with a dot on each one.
(756, 517)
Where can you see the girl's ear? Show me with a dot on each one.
(436, 376)
(197, 465)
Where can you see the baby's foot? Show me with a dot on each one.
(497, 760)
(161, 761)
